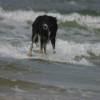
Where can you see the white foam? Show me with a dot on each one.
(7, 50)
(19, 15)
(66, 52)
(17, 89)
(30, 15)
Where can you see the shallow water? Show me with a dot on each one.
(31, 79)
(72, 73)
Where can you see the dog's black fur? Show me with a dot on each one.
(44, 28)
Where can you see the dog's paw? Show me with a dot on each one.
(54, 52)
(41, 51)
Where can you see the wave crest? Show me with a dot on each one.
(30, 15)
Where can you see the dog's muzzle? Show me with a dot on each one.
(45, 27)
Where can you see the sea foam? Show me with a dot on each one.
(66, 52)
(30, 15)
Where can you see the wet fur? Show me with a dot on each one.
(44, 29)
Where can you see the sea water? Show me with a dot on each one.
(72, 73)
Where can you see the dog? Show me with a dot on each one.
(44, 29)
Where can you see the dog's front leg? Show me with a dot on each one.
(41, 51)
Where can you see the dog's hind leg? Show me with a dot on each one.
(31, 46)
(36, 40)
(53, 44)
(41, 45)
(44, 46)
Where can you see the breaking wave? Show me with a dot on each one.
(66, 52)
(30, 15)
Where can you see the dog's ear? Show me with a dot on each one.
(45, 26)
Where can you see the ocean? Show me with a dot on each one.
(72, 73)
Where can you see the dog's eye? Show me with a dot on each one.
(45, 26)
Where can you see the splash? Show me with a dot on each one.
(66, 52)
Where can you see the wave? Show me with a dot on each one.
(24, 87)
(66, 52)
(30, 15)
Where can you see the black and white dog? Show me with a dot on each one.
(44, 29)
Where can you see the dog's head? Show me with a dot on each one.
(45, 31)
